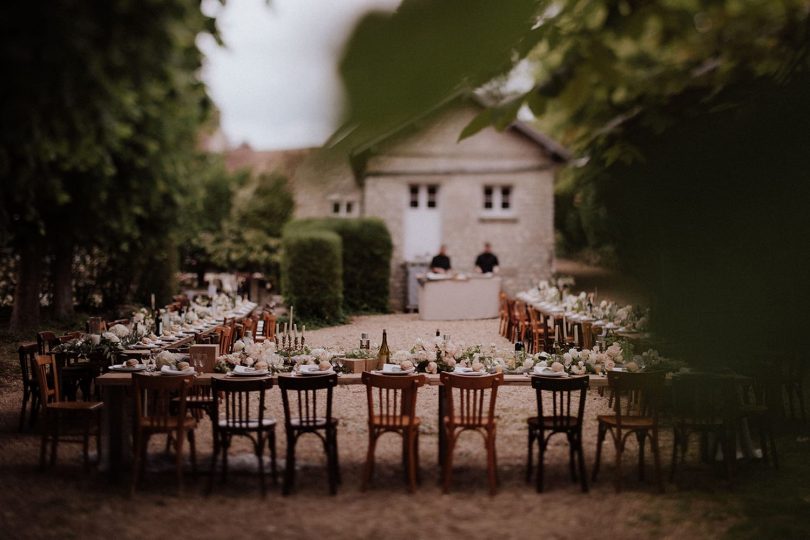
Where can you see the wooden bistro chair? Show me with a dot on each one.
(469, 412)
(59, 415)
(156, 412)
(394, 411)
(636, 404)
(704, 404)
(244, 407)
(565, 416)
(28, 353)
(520, 321)
(304, 413)
(224, 338)
(46, 341)
(537, 331)
(503, 314)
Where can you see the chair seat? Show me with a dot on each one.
(548, 422)
(394, 422)
(319, 422)
(628, 422)
(459, 422)
(251, 424)
(88, 406)
(170, 423)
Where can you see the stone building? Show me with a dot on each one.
(431, 189)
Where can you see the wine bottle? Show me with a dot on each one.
(438, 334)
(518, 346)
(384, 354)
(158, 324)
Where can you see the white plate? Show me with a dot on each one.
(166, 370)
(395, 373)
(144, 346)
(470, 373)
(316, 372)
(242, 371)
(124, 368)
(549, 373)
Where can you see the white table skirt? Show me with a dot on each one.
(453, 300)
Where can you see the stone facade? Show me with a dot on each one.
(522, 236)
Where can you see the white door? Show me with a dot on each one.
(423, 226)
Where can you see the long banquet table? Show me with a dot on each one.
(114, 387)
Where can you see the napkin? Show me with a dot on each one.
(171, 371)
(391, 368)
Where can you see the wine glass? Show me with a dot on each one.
(340, 363)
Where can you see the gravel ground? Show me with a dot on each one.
(64, 502)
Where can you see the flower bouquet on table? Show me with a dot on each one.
(247, 353)
(106, 346)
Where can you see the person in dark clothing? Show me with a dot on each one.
(487, 261)
(441, 262)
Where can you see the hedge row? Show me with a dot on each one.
(311, 274)
(366, 258)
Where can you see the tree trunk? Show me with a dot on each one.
(25, 312)
(62, 273)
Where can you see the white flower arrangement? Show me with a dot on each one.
(109, 336)
(119, 330)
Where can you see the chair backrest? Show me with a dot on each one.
(519, 308)
(69, 336)
(503, 304)
(95, 325)
(47, 378)
(471, 407)
(241, 410)
(699, 398)
(153, 400)
(396, 397)
(269, 324)
(562, 410)
(249, 325)
(46, 341)
(636, 394)
(299, 394)
(225, 334)
(28, 353)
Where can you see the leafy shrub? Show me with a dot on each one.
(311, 272)
(366, 256)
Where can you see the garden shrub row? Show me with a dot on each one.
(365, 255)
(311, 274)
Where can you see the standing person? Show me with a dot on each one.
(487, 261)
(441, 262)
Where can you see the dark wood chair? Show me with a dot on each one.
(393, 411)
(244, 407)
(156, 412)
(705, 404)
(28, 353)
(536, 331)
(636, 405)
(46, 341)
(564, 417)
(224, 338)
(519, 321)
(468, 412)
(60, 415)
(304, 413)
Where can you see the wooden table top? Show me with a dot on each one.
(204, 379)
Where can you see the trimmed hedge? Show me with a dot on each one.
(311, 274)
(366, 257)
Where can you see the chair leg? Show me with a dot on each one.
(492, 464)
(272, 444)
(179, 462)
(337, 459)
(289, 466)
(98, 439)
(583, 475)
(600, 437)
(192, 448)
(571, 459)
(213, 466)
(368, 469)
(26, 394)
(35, 405)
(529, 458)
(674, 464)
(86, 444)
(138, 460)
(259, 450)
(226, 443)
(641, 437)
(619, 445)
(416, 457)
(657, 460)
(54, 438)
(330, 465)
(411, 460)
(541, 461)
(43, 447)
(447, 475)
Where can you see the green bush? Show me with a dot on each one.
(366, 259)
(311, 273)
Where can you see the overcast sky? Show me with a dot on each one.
(275, 81)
